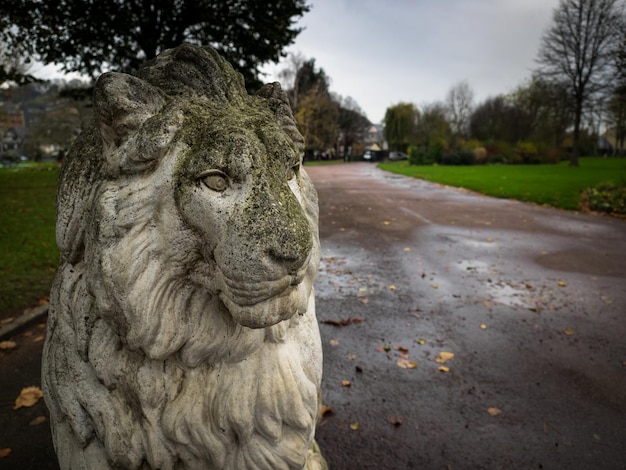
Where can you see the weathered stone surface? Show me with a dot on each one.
(182, 329)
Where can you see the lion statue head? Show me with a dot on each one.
(182, 329)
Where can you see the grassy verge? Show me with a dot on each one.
(28, 252)
(556, 185)
(323, 162)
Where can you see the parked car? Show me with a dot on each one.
(367, 156)
(393, 156)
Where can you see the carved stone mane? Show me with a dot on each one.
(182, 330)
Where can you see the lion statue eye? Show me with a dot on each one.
(291, 172)
(215, 180)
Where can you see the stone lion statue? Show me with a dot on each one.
(182, 330)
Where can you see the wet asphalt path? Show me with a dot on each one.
(530, 300)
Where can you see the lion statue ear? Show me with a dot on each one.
(122, 103)
(278, 102)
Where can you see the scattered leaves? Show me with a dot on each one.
(406, 364)
(493, 411)
(443, 357)
(37, 421)
(28, 397)
(346, 383)
(5, 345)
(4, 452)
(354, 426)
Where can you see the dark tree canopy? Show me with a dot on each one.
(89, 35)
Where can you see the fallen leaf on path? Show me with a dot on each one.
(483, 327)
(401, 349)
(406, 364)
(392, 287)
(443, 357)
(407, 249)
(5, 345)
(4, 452)
(569, 332)
(562, 284)
(326, 410)
(354, 426)
(39, 338)
(334, 342)
(489, 240)
(6, 320)
(435, 286)
(420, 341)
(386, 222)
(493, 411)
(443, 369)
(37, 421)
(346, 383)
(395, 420)
(28, 397)
(351, 357)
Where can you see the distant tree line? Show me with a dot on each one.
(578, 87)
(331, 124)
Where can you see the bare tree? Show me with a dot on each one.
(459, 102)
(577, 49)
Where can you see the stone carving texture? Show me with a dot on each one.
(182, 329)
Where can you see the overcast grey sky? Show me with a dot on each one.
(382, 52)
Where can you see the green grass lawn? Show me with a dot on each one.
(557, 185)
(28, 252)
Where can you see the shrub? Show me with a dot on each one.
(606, 197)
(462, 157)
(526, 152)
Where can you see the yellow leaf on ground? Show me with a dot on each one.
(444, 369)
(483, 327)
(569, 332)
(346, 383)
(354, 426)
(561, 283)
(420, 341)
(326, 410)
(386, 222)
(443, 357)
(351, 357)
(392, 287)
(435, 286)
(28, 397)
(493, 411)
(38, 420)
(8, 345)
(39, 339)
(334, 342)
(4, 452)
(406, 364)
